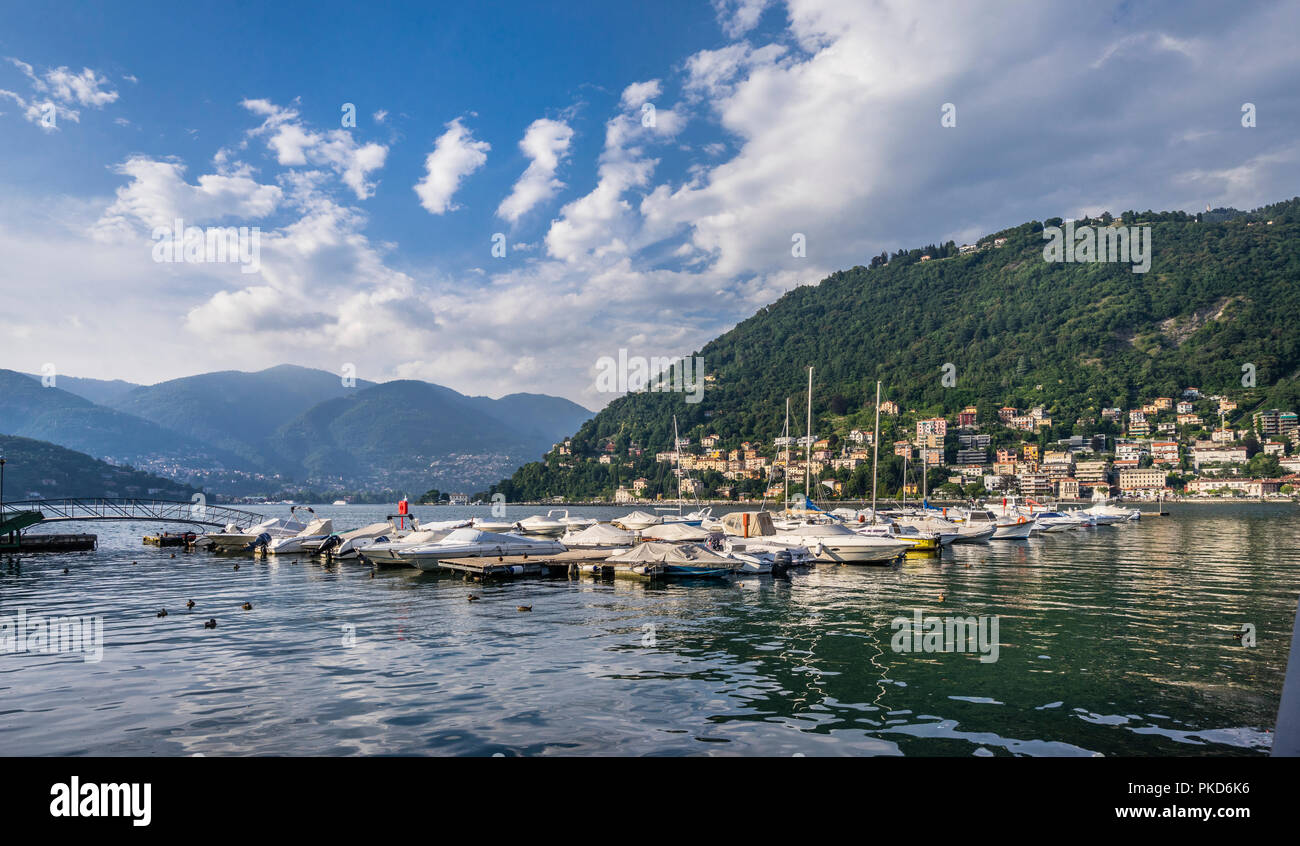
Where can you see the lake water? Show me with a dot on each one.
(1113, 641)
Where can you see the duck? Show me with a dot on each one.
(162, 613)
(189, 603)
(524, 608)
(236, 566)
(473, 598)
(65, 571)
(210, 624)
(247, 606)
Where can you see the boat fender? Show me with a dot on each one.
(1021, 520)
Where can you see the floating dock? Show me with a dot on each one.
(171, 539)
(49, 543)
(515, 566)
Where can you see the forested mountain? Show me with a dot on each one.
(1016, 329)
(39, 469)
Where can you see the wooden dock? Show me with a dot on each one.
(516, 566)
(50, 543)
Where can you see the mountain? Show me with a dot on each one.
(29, 409)
(404, 434)
(98, 391)
(236, 432)
(1003, 324)
(39, 469)
(232, 410)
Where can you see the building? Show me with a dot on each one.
(1184, 407)
(1190, 420)
(903, 448)
(710, 441)
(931, 426)
(1006, 413)
(1067, 488)
(1163, 403)
(1031, 452)
(1148, 479)
(889, 407)
(1034, 484)
(969, 441)
(1274, 422)
(967, 417)
(1203, 455)
(1243, 487)
(972, 456)
(1092, 474)
(1164, 452)
(623, 495)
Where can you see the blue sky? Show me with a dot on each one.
(811, 116)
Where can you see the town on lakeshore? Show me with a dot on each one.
(1193, 446)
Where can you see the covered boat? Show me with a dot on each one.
(654, 558)
(676, 533)
(598, 536)
(638, 520)
(475, 543)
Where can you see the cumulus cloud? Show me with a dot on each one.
(157, 194)
(455, 156)
(546, 144)
(296, 145)
(737, 17)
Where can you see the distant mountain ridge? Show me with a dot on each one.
(238, 432)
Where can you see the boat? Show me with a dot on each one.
(307, 541)
(475, 543)
(676, 532)
(386, 553)
(233, 538)
(694, 518)
(551, 524)
(494, 525)
(1009, 527)
(339, 502)
(687, 560)
(919, 541)
(638, 520)
(598, 536)
(349, 544)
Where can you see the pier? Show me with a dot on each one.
(516, 566)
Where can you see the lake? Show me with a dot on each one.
(1124, 640)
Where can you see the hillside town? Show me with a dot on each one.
(1190, 446)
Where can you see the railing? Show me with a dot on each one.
(146, 510)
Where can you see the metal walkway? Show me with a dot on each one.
(145, 510)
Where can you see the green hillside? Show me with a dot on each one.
(39, 469)
(1019, 331)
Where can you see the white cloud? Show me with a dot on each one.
(157, 194)
(737, 17)
(295, 145)
(546, 144)
(639, 93)
(455, 156)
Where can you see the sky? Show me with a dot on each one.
(527, 188)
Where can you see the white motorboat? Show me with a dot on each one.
(1053, 521)
(307, 541)
(350, 544)
(638, 520)
(233, 538)
(675, 533)
(489, 525)
(386, 553)
(947, 531)
(1009, 527)
(552, 524)
(474, 543)
(838, 543)
(598, 536)
(694, 518)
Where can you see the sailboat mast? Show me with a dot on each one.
(677, 449)
(807, 457)
(875, 455)
(785, 474)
